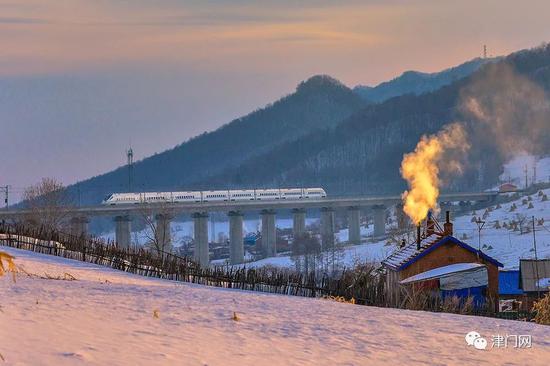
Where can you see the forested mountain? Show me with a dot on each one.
(324, 134)
(415, 82)
(363, 154)
(318, 103)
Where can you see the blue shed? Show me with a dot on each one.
(508, 283)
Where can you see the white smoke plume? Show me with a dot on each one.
(500, 111)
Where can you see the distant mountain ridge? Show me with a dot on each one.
(318, 103)
(323, 134)
(363, 154)
(415, 82)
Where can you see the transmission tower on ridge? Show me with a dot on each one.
(130, 165)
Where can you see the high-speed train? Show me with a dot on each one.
(208, 196)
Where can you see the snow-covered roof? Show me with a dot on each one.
(407, 255)
(403, 255)
(443, 271)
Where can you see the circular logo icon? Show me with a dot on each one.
(471, 337)
(480, 343)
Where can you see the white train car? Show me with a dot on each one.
(242, 195)
(268, 194)
(187, 196)
(314, 193)
(153, 197)
(122, 198)
(209, 196)
(292, 194)
(215, 196)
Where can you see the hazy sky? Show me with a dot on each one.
(81, 79)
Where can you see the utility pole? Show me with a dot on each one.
(535, 173)
(536, 259)
(6, 198)
(6, 189)
(130, 164)
(480, 223)
(525, 171)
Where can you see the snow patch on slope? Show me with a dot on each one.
(538, 170)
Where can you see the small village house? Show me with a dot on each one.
(439, 260)
(507, 187)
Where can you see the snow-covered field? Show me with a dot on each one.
(105, 317)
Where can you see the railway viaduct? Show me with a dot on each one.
(165, 212)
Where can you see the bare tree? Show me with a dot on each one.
(521, 220)
(333, 255)
(157, 227)
(306, 252)
(47, 202)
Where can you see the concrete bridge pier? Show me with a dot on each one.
(269, 233)
(401, 216)
(327, 227)
(379, 212)
(354, 225)
(298, 222)
(123, 231)
(163, 234)
(236, 249)
(79, 225)
(201, 254)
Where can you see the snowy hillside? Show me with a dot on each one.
(105, 317)
(537, 170)
(505, 245)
